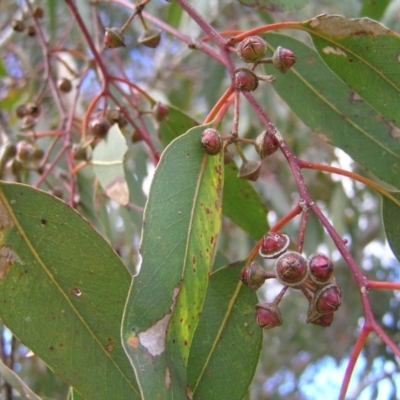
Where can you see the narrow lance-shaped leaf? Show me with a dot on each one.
(330, 108)
(181, 223)
(62, 292)
(243, 205)
(108, 165)
(239, 194)
(366, 56)
(227, 343)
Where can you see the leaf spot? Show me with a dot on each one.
(7, 258)
(355, 98)
(337, 25)
(110, 347)
(336, 51)
(167, 378)
(5, 219)
(76, 292)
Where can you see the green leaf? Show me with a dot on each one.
(374, 8)
(365, 55)
(174, 14)
(330, 108)
(175, 124)
(108, 165)
(181, 223)
(227, 343)
(62, 292)
(239, 194)
(243, 205)
(274, 5)
(16, 382)
(391, 217)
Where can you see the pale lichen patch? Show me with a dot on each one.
(153, 339)
(118, 191)
(334, 50)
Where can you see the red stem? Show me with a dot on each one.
(373, 285)
(362, 337)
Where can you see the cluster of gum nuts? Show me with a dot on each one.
(252, 50)
(314, 277)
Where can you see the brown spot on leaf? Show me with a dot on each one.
(194, 260)
(5, 219)
(110, 347)
(7, 258)
(167, 378)
(355, 98)
(133, 341)
(76, 292)
(394, 132)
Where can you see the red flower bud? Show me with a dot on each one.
(268, 315)
(291, 269)
(273, 244)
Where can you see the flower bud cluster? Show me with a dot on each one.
(313, 276)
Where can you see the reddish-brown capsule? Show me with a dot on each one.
(244, 80)
(273, 244)
(266, 144)
(64, 85)
(253, 276)
(268, 315)
(250, 170)
(320, 268)
(18, 25)
(211, 141)
(291, 268)
(160, 111)
(283, 59)
(150, 38)
(99, 127)
(113, 38)
(251, 49)
(328, 299)
(323, 320)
